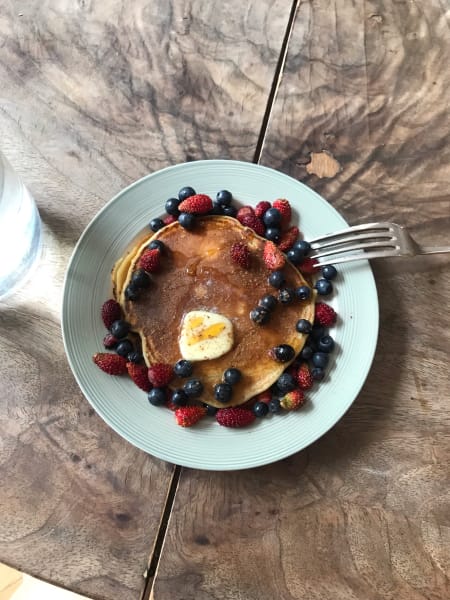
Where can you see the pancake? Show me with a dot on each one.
(197, 274)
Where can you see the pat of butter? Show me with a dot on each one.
(205, 335)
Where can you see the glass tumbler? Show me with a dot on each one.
(20, 230)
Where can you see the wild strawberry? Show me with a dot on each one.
(234, 417)
(111, 312)
(160, 374)
(244, 211)
(324, 314)
(169, 219)
(199, 204)
(150, 260)
(240, 254)
(292, 400)
(139, 374)
(171, 405)
(273, 258)
(113, 364)
(304, 378)
(261, 208)
(265, 397)
(285, 209)
(186, 416)
(109, 341)
(288, 238)
(308, 266)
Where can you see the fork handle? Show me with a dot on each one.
(434, 249)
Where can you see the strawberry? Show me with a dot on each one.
(244, 211)
(324, 314)
(265, 397)
(234, 417)
(171, 405)
(149, 260)
(292, 400)
(261, 208)
(198, 204)
(113, 364)
(285, 209)
(109, 341)
(308, 266)
(139, 374)
(254, 223)
(111, 312)
(288, 238)
(160, 374)
(240, 254)
(304, 378)
(273, 258)
(186, 416)
(169, 219)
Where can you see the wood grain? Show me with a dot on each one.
(95, 95)
(365, 511)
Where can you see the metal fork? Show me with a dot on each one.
(372, 240)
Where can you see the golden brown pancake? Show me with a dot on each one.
(197, 274)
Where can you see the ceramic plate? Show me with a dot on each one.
(125, 408)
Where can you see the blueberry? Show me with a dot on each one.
(193, 388)
(286, 295)
(306, 352)
(320, 359)
(295, 256)
(223, 392)
(210, 410)
(260, 409)
(326, 344)
(134, 357)
(183, 368)
(217, 209)
(283, 353)
(120, 329)
(179, 398)
(273, 234)
(157, 245)
(185, 192)
(186, 220)
(131, 292)
(323, 287)
(276, 279)
(286, 383)
(272, 217)
(156, 224)
(303, 246)
(224, 197)
(329, 272)
(232, 376)
(229, 211)
(303, 292)
(172, 206)
(259, 315)
(317, 373)
(124, 347)
(303, 326)
(317, 332)
(140, 279)
(274, 406)
(157, 396)
(268, 302)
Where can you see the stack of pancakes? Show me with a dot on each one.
(197, 273)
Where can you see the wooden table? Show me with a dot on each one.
(350, 98)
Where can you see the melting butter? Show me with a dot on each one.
(205, 335)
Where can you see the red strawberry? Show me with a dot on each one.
(169, 219)
(324, 314)
(308, 266)
(240, 254)
(199, 204)
(149, 260)
(285, 209)
(261, 208)
(113, 364)
(109, 341)
(139, 374)
(254, 223)
(111, 312)
(292, 400)
(160, 374)
(171, 406)
(244, 211)
(288, 238)
(186, 416)
(304, 378)
(273, 258)
(265, 397)
(234, 417)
